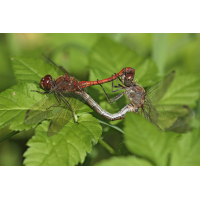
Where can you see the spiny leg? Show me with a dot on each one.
(70, 107)
(59, 101)
(40, 91)
(119, 86)
(112, 100)
(36, 83)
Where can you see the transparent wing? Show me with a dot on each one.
(175, 117)
(64, 113)
(41, 110)
(62, 116)
(150, 112)
(156, 92)
(168, 117)
(60, 67)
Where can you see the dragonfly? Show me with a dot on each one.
(146, 104)
(64, 92)
(127, 74)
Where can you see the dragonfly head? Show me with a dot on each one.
(128, 77)
(46, 82)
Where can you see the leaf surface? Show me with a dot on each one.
(68, 147)
(187, 150)
(109, 57)
(30, 69)
(184, 90)
(145, 140)
(15, 101)
(124, 161)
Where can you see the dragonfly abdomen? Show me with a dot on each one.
(120, 115)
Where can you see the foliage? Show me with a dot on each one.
(132, 141)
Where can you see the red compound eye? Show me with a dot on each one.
(46, 82)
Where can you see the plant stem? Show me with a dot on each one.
(107, 147)
(8, 135)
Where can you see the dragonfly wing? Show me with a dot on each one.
(157, 91)
(166, 117)
(176, 117)
(41, 110)
(150, 112)
(60, 67)
(169, 117)
(64, 113)
(60, 119)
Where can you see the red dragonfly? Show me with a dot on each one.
(64, 92)
(127, 73)
(165, 117)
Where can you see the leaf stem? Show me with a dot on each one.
(8, 135)
(112, 126)
(107, 147)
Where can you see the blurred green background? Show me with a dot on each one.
(179, 52)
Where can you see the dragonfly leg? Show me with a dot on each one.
(121, 87)
(112, 100)
(40, 91)
(104, 91)
(36, 83)
(59, 101)
(117, 97)
(70, 107)
(119, 78)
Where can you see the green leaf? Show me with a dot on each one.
(124, 161)
(145, 140)
(187, 150)
(146, 73)
(184, 90)
(108, 57)
(68, 147)
(15, 101)
(160, 50)
(18, 99)
(84, 39)
(71, 50)
(30, 69)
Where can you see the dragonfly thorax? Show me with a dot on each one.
(136, 95)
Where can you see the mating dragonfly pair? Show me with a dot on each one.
(66, 85)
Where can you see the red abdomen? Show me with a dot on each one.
(125, 71)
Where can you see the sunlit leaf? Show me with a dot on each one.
(15, 101)
(109, 57)
(187, 150)
(68, 147)
(145, 140)
(71, 51)
(124, 161)
(159, 50)
(86, 39)
(184, 90)
(30, 69)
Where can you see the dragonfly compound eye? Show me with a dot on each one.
(46, 82)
